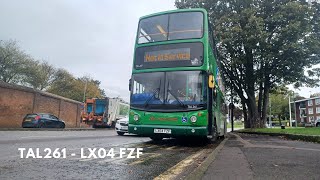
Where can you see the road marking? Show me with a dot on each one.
(178, 168)
(170, 148)
(27, 137)
(152, 156)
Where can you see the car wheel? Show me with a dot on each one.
(318, 125)
(156, 138)
(120, 133)
(62, 126)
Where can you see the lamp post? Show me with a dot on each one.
(270, 122)
(84, 91)
(290, 118)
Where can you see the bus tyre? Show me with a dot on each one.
(120, 133)
(155, 138)
(214, 136)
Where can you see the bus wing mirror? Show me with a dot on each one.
(211, 81)
(129, 84)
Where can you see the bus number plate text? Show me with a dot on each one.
(162, 131)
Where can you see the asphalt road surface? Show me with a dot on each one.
(156, 158)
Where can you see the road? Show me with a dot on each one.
(156, 159)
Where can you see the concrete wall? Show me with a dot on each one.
(17, 101)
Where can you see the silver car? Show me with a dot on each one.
(122, 126)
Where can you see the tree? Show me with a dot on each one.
(124, 110)
(66, 85)
(63, 84)
(262, 45)
(39, 75)
(13, 62)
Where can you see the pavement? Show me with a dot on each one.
(251, 156)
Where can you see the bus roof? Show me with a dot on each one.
(174, 11)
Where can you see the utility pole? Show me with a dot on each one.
(84, 91)
(290, 118)
(270, 122)
(295, 113)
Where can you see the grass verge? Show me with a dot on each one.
(300, 131)
(304, 134)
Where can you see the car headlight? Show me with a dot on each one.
(136, 117)
(193, 119)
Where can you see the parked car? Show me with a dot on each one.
(122, 126)
(42, 120)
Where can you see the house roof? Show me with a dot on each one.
(307, 99)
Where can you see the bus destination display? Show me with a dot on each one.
(169, 55)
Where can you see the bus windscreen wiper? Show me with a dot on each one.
(180, 102)
(153, 95)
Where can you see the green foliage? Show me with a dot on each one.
(264, 44)
(13, 62)
(18, 67)
(124, 110)
(305, 131)
(237, 124)
(64, 84)
(39, 75)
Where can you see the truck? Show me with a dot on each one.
(102, 112)
(95, 112)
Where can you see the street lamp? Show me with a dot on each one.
(270, 122)
(85, 90)
(290, 118)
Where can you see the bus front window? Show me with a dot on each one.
(168, 90)
(186, 87)
(147, 89)
(174, 26)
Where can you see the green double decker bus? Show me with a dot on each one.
(176, 89)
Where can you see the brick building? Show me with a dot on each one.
(17, 101)
(307, 110)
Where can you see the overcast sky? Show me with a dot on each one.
(86, 37)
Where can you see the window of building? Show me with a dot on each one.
(318, 101)
(311, 119)
(302, 112)
(310, 111)
(318, 110)
(310, 103)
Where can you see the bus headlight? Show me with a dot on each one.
(136, 117)
(193, 119)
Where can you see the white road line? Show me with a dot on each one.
(27, 137)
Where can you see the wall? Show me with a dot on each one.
(17, 101)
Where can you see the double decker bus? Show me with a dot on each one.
(176, 89)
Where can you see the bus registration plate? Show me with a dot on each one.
(162, 131)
